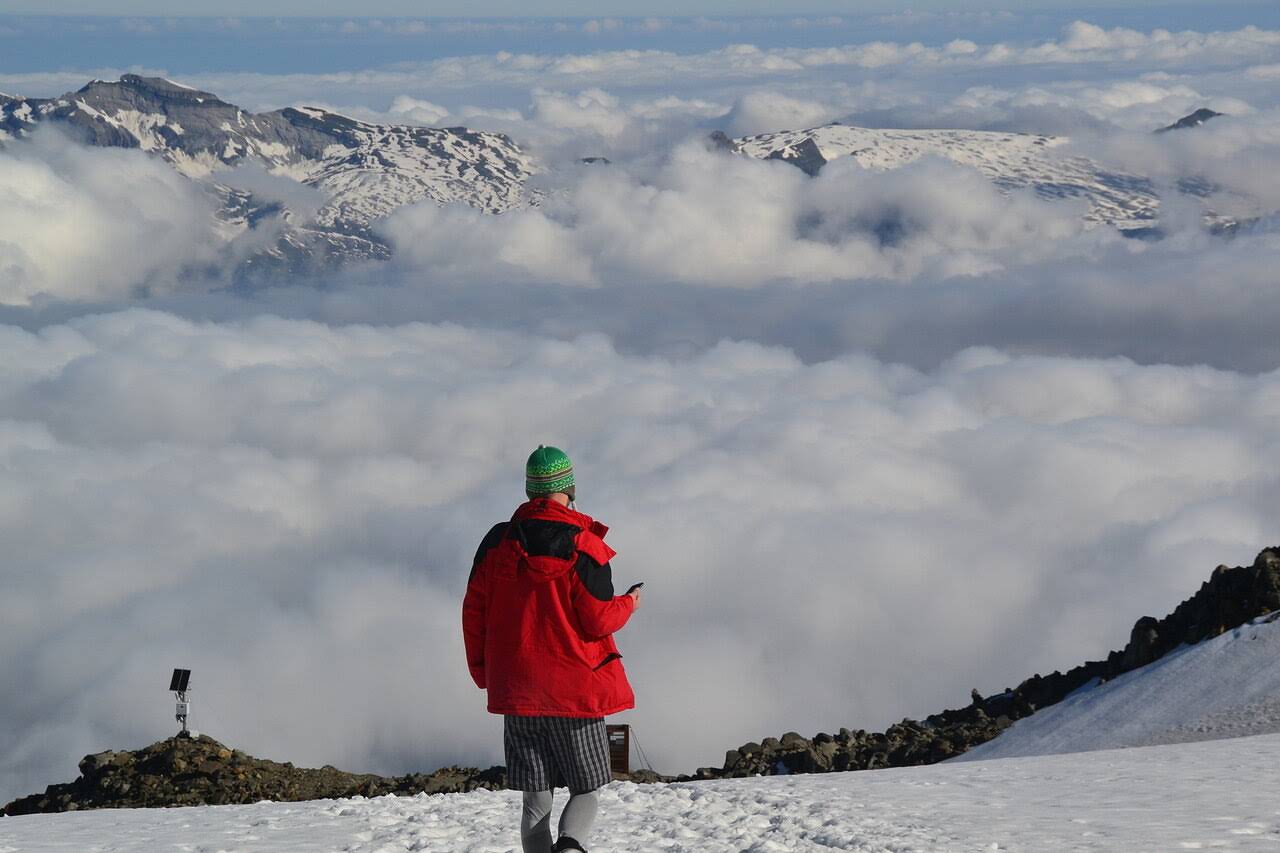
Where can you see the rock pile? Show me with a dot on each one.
(189, 771)
(1231, 597)
(903, 744)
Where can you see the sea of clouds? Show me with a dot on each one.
(860, 476)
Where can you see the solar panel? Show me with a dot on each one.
(181, 678)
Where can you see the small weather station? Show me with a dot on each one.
(179, 685)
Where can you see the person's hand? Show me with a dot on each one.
(635, 596)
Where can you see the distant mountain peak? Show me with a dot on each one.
(1195, 119)
(720, 141)
(159, 90)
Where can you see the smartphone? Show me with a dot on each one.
(634, 587)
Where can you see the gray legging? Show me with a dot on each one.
(575, 821)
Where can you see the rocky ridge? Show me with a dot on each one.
(193, 771)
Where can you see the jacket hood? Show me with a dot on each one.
(561, 541)
(549, 510)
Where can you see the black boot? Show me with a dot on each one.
(568, 844)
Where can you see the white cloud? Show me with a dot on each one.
(289, 509)
(601, 25)
(1264, 72)
(1238, 155)
(1082, 36)
(1141, 103)
(475, 77)
(591, 109)
(762, 110)
(709, 218)
(415, 111)
(82, 223)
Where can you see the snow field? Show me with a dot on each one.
(1213, 795)
(1228, 686)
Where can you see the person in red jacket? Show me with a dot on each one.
(538, 620)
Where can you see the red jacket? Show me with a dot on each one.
(539, 615)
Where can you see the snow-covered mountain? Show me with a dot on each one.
(1225, 687)
(1011, 160)
(362, 171)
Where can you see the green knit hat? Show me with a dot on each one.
(548, 471)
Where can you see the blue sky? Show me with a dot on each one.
(556, 8)
(67, 36)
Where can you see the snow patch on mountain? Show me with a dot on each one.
(1012, 161)
(1225, 687)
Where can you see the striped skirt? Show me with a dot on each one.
(556, 752)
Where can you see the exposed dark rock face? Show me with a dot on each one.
(1231, 597)
(1196, 119)
(804, 155)
(720, 141)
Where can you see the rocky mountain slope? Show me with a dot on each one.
(188, 771)
(1224, 687)
(360, 171)
(1230, 598)
(1012, 161)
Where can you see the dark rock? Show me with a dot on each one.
(720, 141)
(804, 155)
(1196, 119)
(1144, 644)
